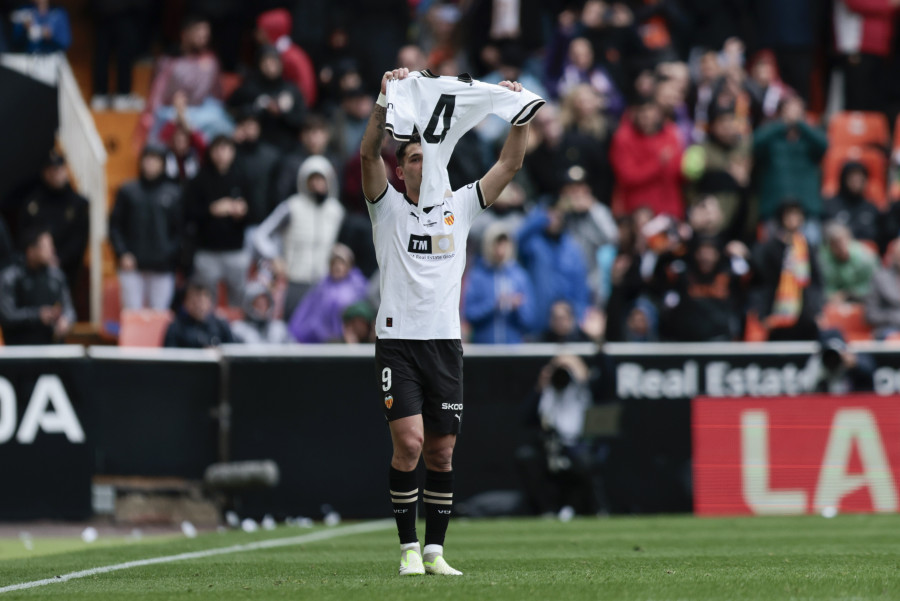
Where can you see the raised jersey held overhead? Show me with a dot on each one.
(442, 110)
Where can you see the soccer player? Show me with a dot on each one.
(420, 245)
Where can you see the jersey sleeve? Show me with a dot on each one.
(400, 118)
(470, 201)
(516, 107)
(380, 206)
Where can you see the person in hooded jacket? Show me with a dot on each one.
(145, 233)
(276, 100)
(299, 234)
(217, 214)
(258, 160)
(259, 325)
(319, 317)
(499, 300)
(273, 28)
(54, 205)
(851, 207)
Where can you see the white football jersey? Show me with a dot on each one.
(442, 110)
(421, 253)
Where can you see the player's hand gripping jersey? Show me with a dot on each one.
(421, 249)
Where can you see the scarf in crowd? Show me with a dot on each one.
(794, 278)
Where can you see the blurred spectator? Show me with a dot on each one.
(356, 234)
(626, 278)
(670, 94)
(117, 30)
(721, 166)
(587, 137)
(789, 28)
(227, 19)
(764, 72)
(658, 23)
(54, 206)
(257, 159)
(791, 283)
(299, 234)
(35, 306)
(839, 370)
(499, 301)
(411, 57)
(847, 265)
(642, 322)
(556, 148)
(557, 464)
(277, 102)
(7, 248)
(581, 68)
(863, 32)
(145, 233)
(351, 119)
(195, 325)
(40, 29)
(217, 213)
(185, 145)
(508, 210)
(787, 153)
(319, 316)
(714, 21)
(359, 323)
(563, 326)
(316, 138)
(259, 325)
(703, 292)
(493, 27)
(593, 228)
(554, 262)
(708, 74)
(883, 301)
(851, 208)
(195, 72)
(646, 159)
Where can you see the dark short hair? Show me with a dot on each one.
(196, 285)
(401, 150)
(192, 19)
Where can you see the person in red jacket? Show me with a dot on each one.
(273, 27)
(646, 160)
(863, 32)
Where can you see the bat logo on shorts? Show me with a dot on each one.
(448, 218)
(389, 401)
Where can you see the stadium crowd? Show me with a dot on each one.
(678, 186)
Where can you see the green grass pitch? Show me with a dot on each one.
(623, 558)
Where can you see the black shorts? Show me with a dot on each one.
(421, 377)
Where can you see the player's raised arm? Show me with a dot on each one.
(511, 157)
(374, 177)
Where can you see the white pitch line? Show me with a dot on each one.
(266, 544)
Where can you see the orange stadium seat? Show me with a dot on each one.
(144, 327)
(849, 318)
(875, 162)
(857, 128)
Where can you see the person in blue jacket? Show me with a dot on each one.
(40, 29)
(499, 300)
(554, 262)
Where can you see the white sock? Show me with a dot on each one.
(408, 546)
(437, 549)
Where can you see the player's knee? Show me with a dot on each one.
(439, 458)
(408, 449)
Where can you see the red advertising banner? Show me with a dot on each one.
(796, 455)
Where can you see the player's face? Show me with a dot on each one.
(411, 169)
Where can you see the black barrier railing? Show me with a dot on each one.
(68, 414)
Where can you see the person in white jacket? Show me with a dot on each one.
(299, 234)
